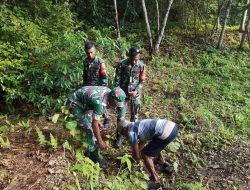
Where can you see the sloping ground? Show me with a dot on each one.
(206, 94)
(26, 165)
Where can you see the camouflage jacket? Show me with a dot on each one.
(94, 72)
(94, 98)
(130, 76)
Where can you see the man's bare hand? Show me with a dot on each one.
(133, 93)
(98, 124)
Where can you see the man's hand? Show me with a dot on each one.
(96, 129)
(98, 124)
(133, 93)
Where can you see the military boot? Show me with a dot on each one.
(94, 156)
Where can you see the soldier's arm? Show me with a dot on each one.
(103, 74)
(118, 74)
(84, 76)
(142, 78)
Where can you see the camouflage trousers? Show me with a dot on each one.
(134, 103)
(84, 119)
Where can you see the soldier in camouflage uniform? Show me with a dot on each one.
(87, 105)
(130, 76)
(94, 73)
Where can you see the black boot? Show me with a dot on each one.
(94, 156)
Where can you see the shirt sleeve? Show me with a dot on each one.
(84, 76)
(103, 74)
(142, 78)
(98, 109)
(133, 138)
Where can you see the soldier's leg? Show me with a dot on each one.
(121, 112)
(135, 108)
(91, 140)
(107, 121)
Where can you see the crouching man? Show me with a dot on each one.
(87, 105)
(157, 132)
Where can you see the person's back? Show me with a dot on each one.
(89, 96)
(147, 129)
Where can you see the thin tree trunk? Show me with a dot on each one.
(117, 20)
(227, 13)
(244, 18)
(147, 25)
(158, 17)
(125, 12)
(245, 33)
(157, 45)
(248, 35)
(217, 22)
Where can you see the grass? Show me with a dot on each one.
(205, 91)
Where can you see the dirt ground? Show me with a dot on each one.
(26, 165)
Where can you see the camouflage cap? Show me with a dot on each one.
(118, 94)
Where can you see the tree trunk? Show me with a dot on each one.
(147, 25)
(217, 22)
(227, 13)
(117, 20)
(244, 18)
(125, 12)
(158, 17)
(157, 45)
(245, 33)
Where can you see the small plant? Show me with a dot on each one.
(191, 186)
(26, 126)
(148, 100)
(41, 137)
(4, 143)
(53, 142)
(125, 159)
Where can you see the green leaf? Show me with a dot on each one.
(55, 118)
(53, 141)
(41, 137)
(174, 146)
(71, 125)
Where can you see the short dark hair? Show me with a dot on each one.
(89, 45)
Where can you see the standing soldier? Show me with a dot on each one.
(87, 104)
(130, 76)
(94, 73)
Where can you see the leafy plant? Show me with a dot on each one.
(4, 143)
(53, 141)
(41, 137)
(26, 126)
(191, 186)
(125, 159)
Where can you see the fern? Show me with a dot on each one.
(53, 141)
(4, 143)
(41, 137)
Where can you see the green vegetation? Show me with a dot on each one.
(203, 89)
